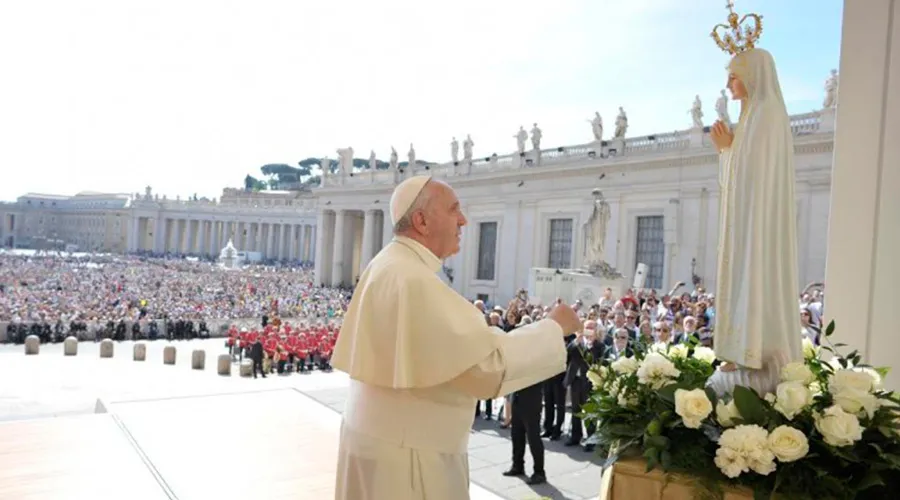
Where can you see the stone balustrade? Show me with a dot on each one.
(607, 150)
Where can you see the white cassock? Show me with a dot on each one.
(757, 319)
(419, 356)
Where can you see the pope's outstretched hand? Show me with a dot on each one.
(567, 319)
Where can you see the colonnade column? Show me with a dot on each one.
(270, 241)
(337, 254)
(134, 241)
(311, 250)
(387, 233)
(301, 242)
(862, 269)
(320, 243)
(368, 237)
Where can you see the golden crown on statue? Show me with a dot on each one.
(739, 34)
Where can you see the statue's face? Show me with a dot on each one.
(736, 86)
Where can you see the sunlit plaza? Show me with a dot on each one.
(201, 199)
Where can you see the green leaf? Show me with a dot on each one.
(711, 394)
(667, 393)
(751, 407)
(871, 479)
(658, 442)
(829, 329)
(666, 459)
(883, 371)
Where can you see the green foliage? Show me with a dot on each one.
(253, 184)
(635, 420)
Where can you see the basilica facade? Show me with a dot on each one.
(525, 210)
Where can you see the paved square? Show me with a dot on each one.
(191, 428)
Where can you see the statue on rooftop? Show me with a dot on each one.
(831, 90)
(597, 126)
(454, 150)
(521, 136)
(536, 136)
(467, 148)
(621, 124)
(697, 112)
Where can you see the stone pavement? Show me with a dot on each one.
(50, 384)
(572, 473)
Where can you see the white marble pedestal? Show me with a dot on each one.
(545, 285)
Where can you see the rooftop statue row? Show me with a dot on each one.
(618, 145)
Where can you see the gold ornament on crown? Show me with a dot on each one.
(738, 35)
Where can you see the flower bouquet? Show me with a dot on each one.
(829, 431)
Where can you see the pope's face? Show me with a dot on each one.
(445, 221)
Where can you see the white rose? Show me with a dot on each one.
(770, 398)
(597, 375)
(838, 427)
(692, 406)
(877, 383)
(624, 366)
(657, 371)
(791, 398)
(705, 354)
(850, 379)
(726, 413)
(660, 347)
(730, 462)
(788, 444)
(856, 402)
(678, 351)
(810, 350)
(797, 372)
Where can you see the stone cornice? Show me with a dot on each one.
(803, 145)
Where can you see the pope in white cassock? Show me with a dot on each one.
(419, 355)
(757, 318)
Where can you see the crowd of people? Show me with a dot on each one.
(119, 297)
(150, 297)
(283, 347)
(613, 327)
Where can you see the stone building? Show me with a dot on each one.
(525, 210)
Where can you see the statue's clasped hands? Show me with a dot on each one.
(721, 135)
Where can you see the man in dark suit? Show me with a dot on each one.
(526, 423)
(256, 354)
(555, 403)
(584, 349)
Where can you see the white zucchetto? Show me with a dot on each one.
(405, 195)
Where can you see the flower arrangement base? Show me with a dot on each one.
(627, 479)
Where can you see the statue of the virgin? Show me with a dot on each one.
(757, 319)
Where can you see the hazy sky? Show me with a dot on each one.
(189, 96)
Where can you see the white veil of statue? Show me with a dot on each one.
(757, 318)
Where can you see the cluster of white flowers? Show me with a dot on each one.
(751, 447)
(852, 390)
(657, 371)
(625, 365)
(598, 375)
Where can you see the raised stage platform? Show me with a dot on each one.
(162, 432)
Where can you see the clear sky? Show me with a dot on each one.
(189, 96)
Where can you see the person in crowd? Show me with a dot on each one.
(581, 352)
